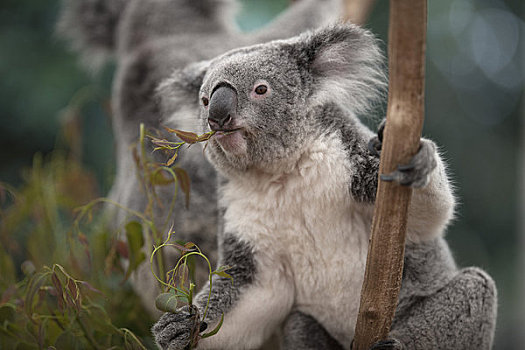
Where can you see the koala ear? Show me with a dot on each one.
(179, 96)
(346, 66)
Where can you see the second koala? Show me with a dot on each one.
(298, 184)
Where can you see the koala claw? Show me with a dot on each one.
(417, 172)
(375, 143)
(175, 331)
(388, 344)
(374, 146)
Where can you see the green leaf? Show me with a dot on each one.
(59, 290)
(135, 244)
(222, 274)
(190, 296)
(75, 293)
(167, 302)
(67, 340)
(90, 287)
(34, 285)
(223, 268)
(159, 177)
(215, 330)
(7, 313)
(186, 136)
(220, 271)
(172, 159)
(205, 137)
(98, 319)
(181, 275)
(184, 183)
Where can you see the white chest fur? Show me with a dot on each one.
(305, 225)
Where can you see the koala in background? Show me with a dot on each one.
(297, 187)
(149, 39)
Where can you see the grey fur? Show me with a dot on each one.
(90, 26)
(317, 83)
(303, 332)
(441, 307)
(174, 330)
(389, 344)
(363, 185)
(225, 292)
(149, 39)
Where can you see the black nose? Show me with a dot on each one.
(222, 107)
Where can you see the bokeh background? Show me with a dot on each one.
(474, 111)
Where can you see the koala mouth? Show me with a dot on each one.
(231, 141)
(220, 133)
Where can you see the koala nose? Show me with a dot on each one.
(222, 107)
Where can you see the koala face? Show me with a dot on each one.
(253, 110)
(263, 100)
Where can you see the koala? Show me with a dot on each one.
(298, 177)
(148, 39)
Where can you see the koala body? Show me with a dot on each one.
(296, 193)
(148, 40)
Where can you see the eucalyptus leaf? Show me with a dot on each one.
(167, 302)
(222, 274)
(67, 340)
(184, 183)
(135, 243)
(215, 330)
(186, 136)
(7, 313)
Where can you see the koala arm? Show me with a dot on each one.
(432, 204)
(254, 303)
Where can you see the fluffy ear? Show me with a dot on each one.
(179, 96)
(345, 64)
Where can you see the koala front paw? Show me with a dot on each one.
(388, 344)
(417, 172)
(375, 143)
(175, 331)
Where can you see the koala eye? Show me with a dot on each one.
(205, 101)
(261, 89)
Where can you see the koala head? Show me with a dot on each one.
(264, 101)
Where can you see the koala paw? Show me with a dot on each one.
(388, 344)
(417, 172)
(375, 143)
(175, 331)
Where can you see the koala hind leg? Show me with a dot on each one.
(303, 332)
(461, 315)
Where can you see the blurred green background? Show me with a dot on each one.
(474, 111)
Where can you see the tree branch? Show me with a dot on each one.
(402, 134)
(357, 11)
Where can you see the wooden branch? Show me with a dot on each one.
(402, 134)
(357, 11)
